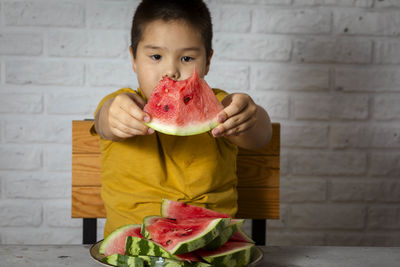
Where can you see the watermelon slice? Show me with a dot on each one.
(179, 210)
(184, 107)
(182, 236)
(227, 233)
(230, 254)
(115, 242)
(241, 236)
(123, 260)
(135, 246)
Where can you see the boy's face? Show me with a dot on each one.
(170, 49)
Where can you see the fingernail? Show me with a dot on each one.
(221, 118)
(216, 132)
(150, 131)
(146, 118)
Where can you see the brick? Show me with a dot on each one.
(386, 107)
(57, 158)
(118, 74)
(239, 18)
(302, 190)
(21, 103)
(36, 185)
(277, 105)
(364, 239)
(328, 216)
(44, 13)
(324, 107)
(229, 76)
(40, 72)
(385, 164)
(289, 77)
(328, 163)
(88, 44)
(20, 213)
(387, 3)
(370, 79)
(110, 15)
(51, 130)
(387, 52)
(351, 191)
(314, 21)
(58, 214)
(311, 136)
(364, 22)
(384, 217)
(275, 238)
(360, 136)
(333, 51)
(84, 102)
(356, 3)
(21, 44)
(251, 47)
(43, 236)
(20, 158)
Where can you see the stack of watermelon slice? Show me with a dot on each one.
(184, 235)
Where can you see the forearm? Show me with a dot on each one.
(257, 136)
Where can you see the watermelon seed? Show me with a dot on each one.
(188, 229)
(168, 241)
(186, 99)
(166, 107)
(166, 90)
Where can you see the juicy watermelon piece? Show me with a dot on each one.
(227, 233)
(115, 242)
(135, 246)
(179, 210)
(241, 236)
(182, 236)
(230, 254)
(184, 107)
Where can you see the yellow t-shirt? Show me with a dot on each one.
(138, 172)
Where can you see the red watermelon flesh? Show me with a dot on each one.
(179, 210)
(184, 107)
(115, 242)
(170, 233)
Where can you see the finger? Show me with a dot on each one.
(240, 128)
(127, 124)
(132, 105)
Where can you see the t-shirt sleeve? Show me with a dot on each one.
(105, 99)
(220, 94)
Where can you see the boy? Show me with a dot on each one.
(140, 166)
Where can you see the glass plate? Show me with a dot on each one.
(94, 252)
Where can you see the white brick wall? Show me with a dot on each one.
(327, 70)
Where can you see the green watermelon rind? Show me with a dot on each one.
(143, 260)
(135, 246)
(123, 260)
(198, 241)
(193, 129)
(237, 257)
(227, 233)
(115, 234)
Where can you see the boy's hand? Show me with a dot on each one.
(238, 116)
(123, 117)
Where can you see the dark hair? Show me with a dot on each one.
(194, 12)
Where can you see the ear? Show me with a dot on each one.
(133, 59)
(208, 62)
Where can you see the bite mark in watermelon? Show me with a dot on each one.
(115, 242)
(179, 210)
(184, 107)
(182, 236)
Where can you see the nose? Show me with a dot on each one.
(172, 71)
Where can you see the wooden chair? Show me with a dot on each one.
(258, 187)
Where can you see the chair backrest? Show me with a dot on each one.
(258, 173)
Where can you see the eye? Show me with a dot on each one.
(155, 57)
(186, 59)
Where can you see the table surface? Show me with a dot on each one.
(78, 255)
